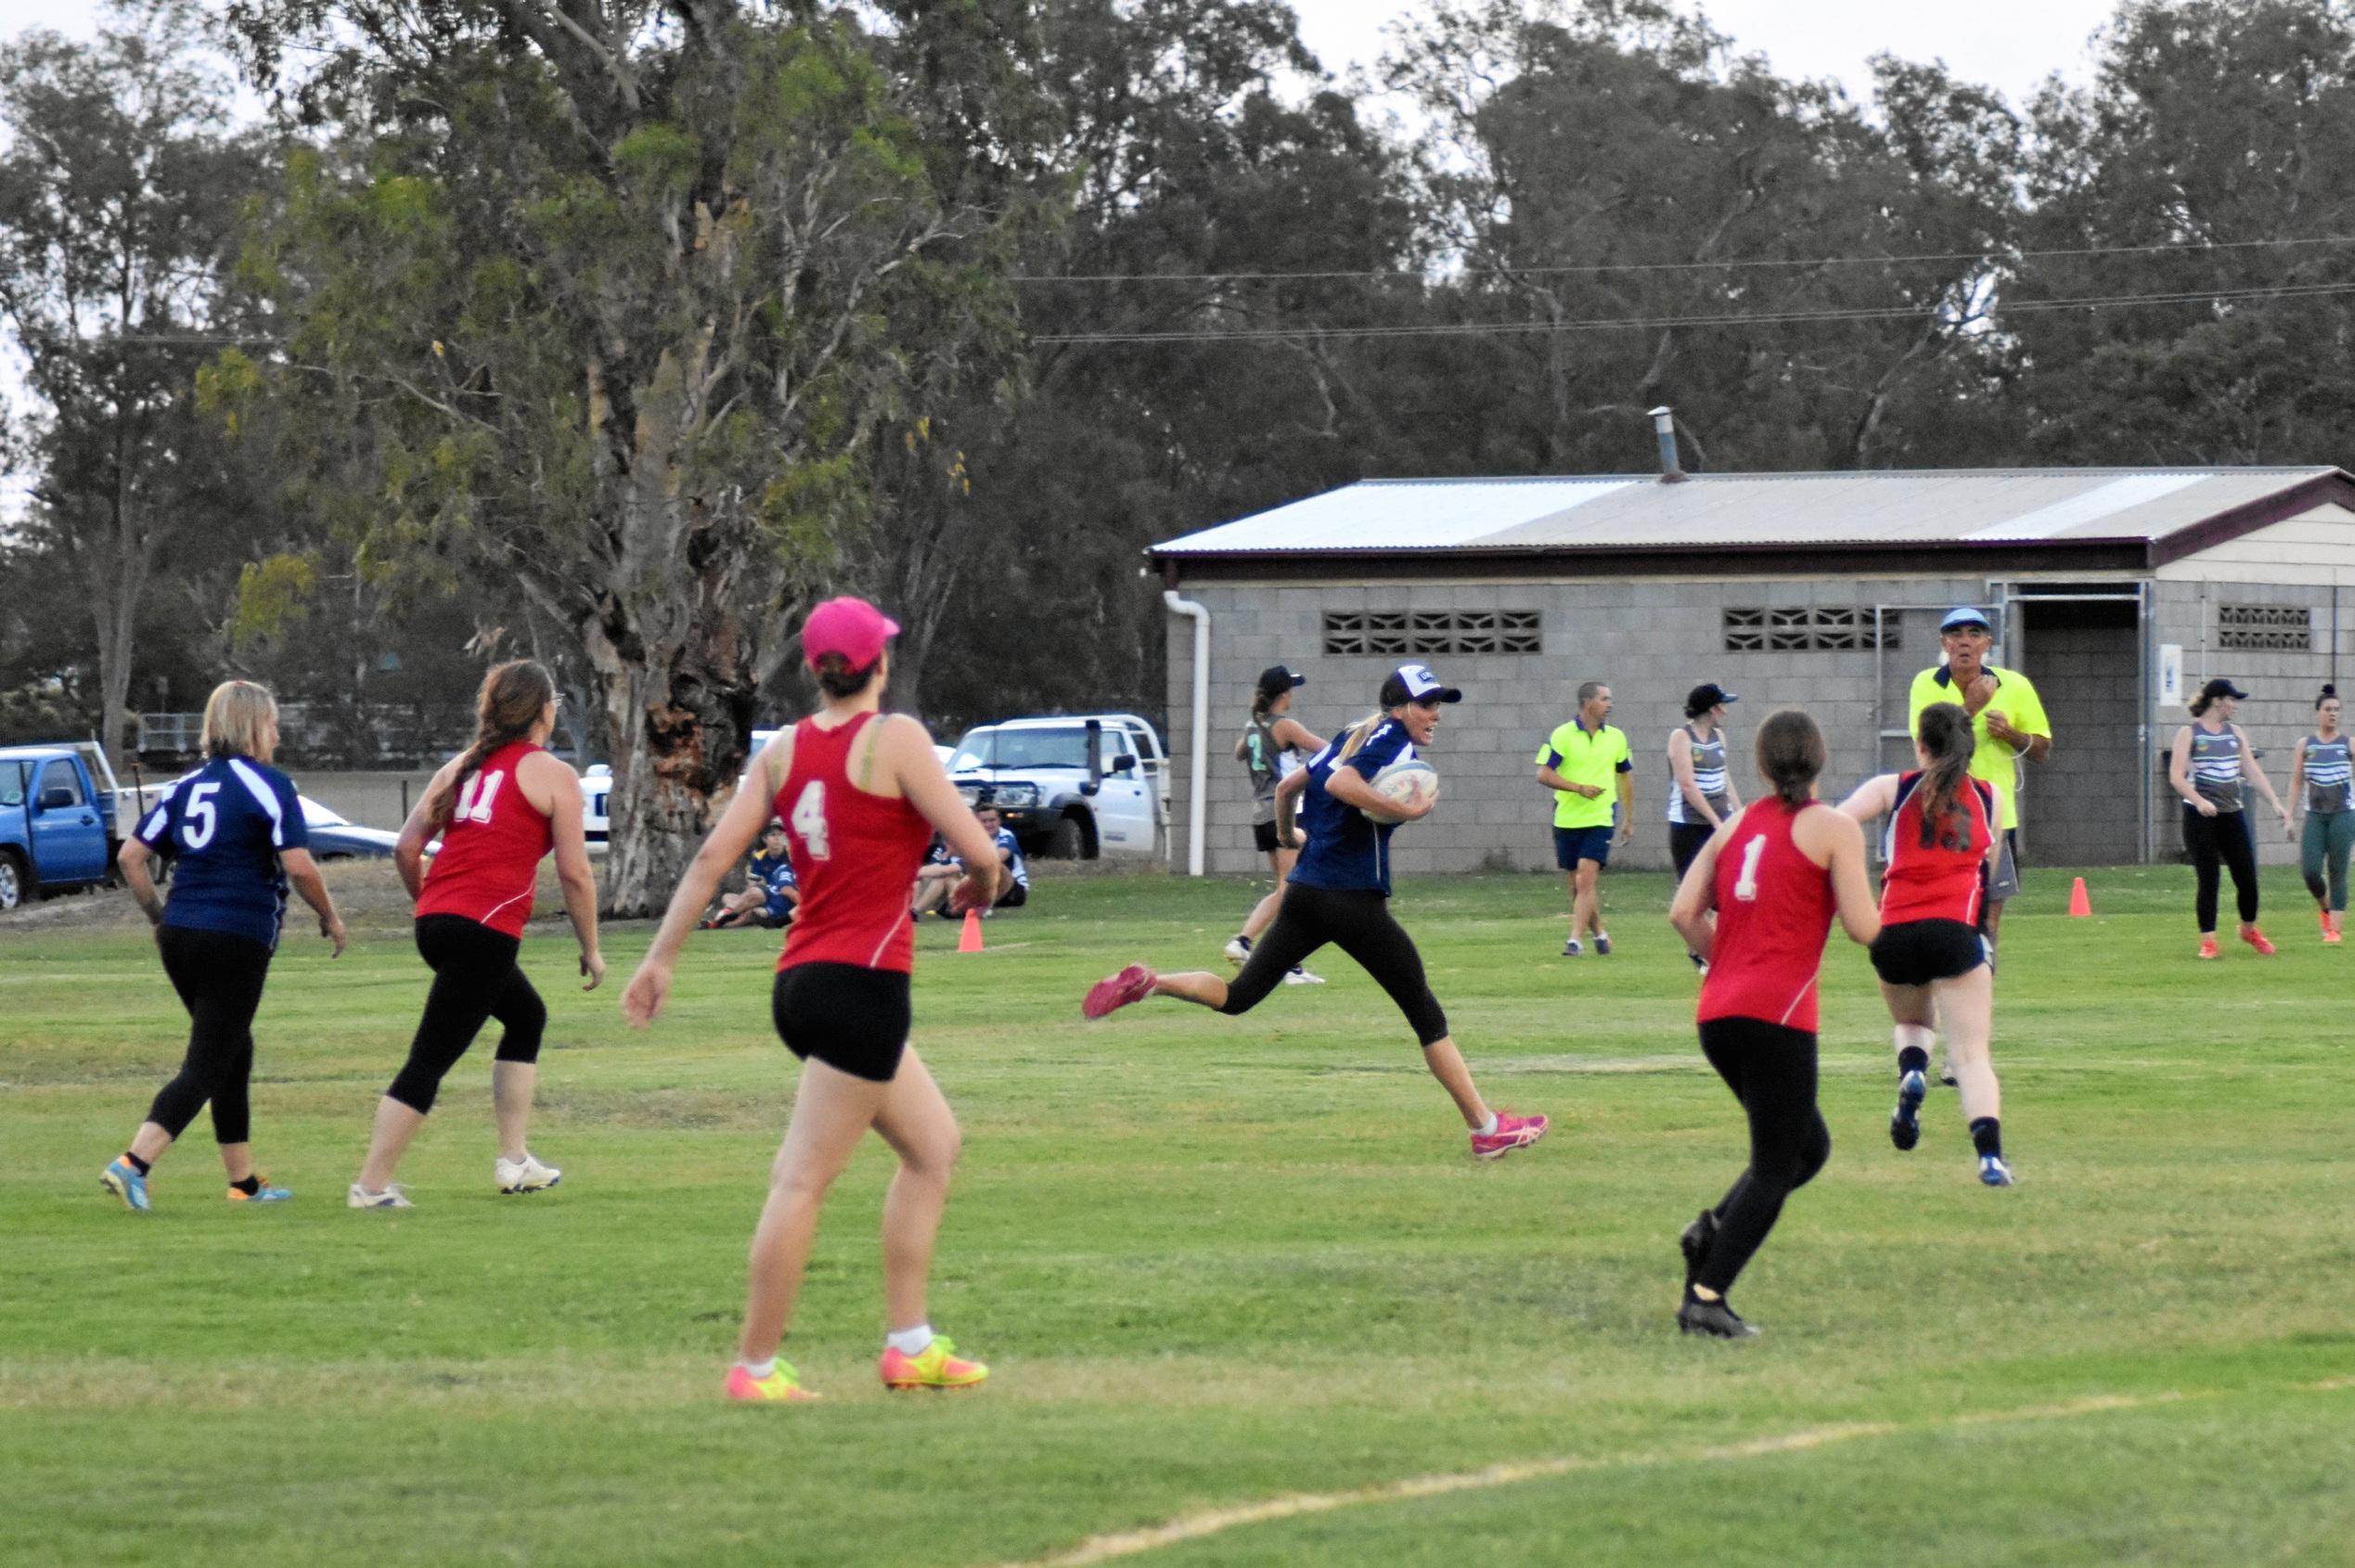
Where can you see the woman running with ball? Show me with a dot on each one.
(1930, 956)
(859, 794)
(1340, 892)
(1756, 904)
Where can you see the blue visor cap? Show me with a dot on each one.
(1965, 615)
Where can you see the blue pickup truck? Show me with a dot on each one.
(56, 820)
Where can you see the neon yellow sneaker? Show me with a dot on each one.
(781, 1386)
(936, 1368)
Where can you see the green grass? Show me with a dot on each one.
(1214, 1263)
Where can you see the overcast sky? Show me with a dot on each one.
(2009, 44)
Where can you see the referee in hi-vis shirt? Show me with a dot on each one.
(1584, 763)
(2008, 719)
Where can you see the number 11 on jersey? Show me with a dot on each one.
(809, 819)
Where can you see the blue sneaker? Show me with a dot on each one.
(1905, 1122)
(1602, 943)
(1993, 1171)
(124, 1180)
(266, 1193)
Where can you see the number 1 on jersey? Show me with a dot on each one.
(1746, 886)
(809, 818)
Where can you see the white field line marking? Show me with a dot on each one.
(1195, 1526)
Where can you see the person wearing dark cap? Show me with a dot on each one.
(2007, 718)
(1340, 892)
(1700, 789)
(2210, 759)
(1271, 747)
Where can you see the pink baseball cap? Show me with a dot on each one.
(851, 627)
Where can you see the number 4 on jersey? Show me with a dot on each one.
(809, 818)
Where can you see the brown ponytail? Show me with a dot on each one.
(506, 708)
(838, 679)
(1947, 737)
(1791, 754)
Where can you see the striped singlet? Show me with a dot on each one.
(2330, 768)
(2216, 767)
(1708, 777)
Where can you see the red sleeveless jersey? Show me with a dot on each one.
(489, 862)
(1775, 908)
(854, 855)
(1937, 883)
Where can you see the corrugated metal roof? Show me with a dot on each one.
(1719, 511)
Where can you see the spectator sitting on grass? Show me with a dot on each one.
(769, 895)
(936, 876)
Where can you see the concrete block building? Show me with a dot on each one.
(2116, 591)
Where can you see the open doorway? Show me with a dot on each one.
(2087, 803)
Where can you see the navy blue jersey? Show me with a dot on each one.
(223, 825)
(776, 879)
(1346, 852)
(1016, 866)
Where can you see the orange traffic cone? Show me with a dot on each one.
(971, 940)
(2079, 905)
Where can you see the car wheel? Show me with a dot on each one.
(1066, 840)
(13, 890)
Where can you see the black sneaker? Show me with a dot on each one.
(1698, 962)
(1712, 1318)
(1905, 1122)
(1946, 1075)
(1694, 1244)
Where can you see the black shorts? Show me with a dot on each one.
(853, 1019)
(1687, 840)
(1917, 952)
(1014, 897)
(1264, 835)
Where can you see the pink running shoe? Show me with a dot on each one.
(782, 1386)
(1131, 984)
(2255, 939)
(1512, 1132)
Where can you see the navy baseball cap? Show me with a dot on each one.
(1705, 696)
(1277, 679)
(1424, 686)
(1966, 615)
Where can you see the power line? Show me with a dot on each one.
(1722, 318)
(1588, 269)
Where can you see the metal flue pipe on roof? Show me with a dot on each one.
(1663, 423)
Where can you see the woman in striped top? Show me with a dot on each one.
(2322, 780)
(2211, 758)
(1700, 792)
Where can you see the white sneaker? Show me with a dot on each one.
(394, 1196)
(1302, 977)
(1239, 950)
(526, 1175)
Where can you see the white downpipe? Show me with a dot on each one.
(1198, 775)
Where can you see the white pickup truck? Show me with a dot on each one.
(1071, 786)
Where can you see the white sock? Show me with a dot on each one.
(1490, 1125)
(760, 1368)
(909, 1341)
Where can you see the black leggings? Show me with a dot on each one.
(2224, 837)
(1772, 1072)
(475, 979)
(219, 978)
(1687, 840)
(1359, 921)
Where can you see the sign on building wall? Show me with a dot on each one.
(2171, 675)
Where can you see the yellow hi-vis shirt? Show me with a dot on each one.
(1585, 759)
(1994, 760)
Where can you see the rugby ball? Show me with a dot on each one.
(1411, 781)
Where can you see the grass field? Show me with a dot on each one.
(1238, 1278)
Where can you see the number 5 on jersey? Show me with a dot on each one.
(809, 818)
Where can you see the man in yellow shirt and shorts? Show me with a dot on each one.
(2008, 719)
(1584, 763)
